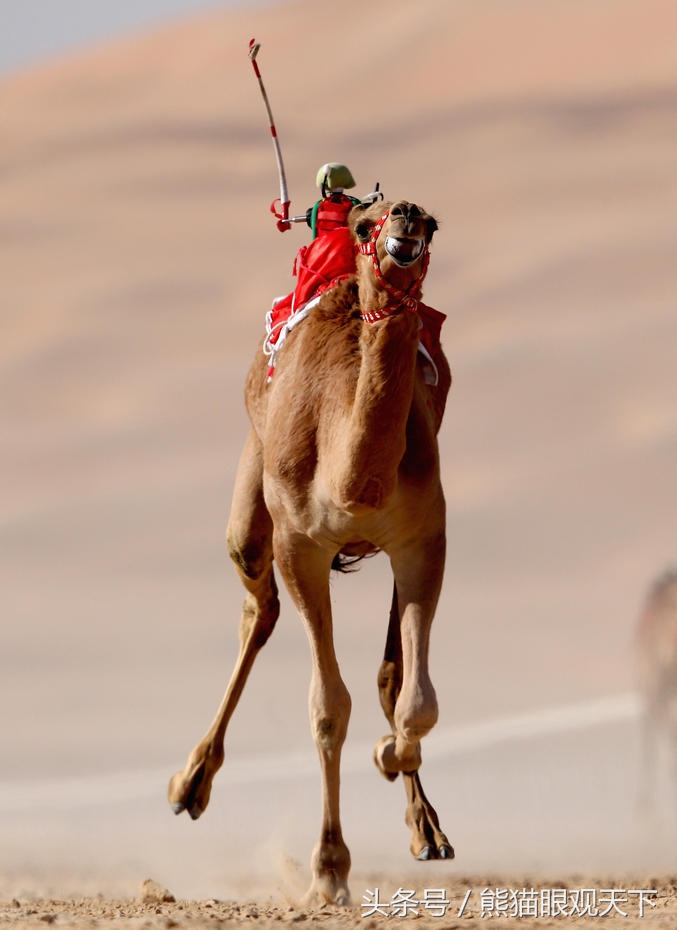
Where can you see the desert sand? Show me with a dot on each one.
(137, 260)
(462, 903)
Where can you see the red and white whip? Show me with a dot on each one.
(280, 206)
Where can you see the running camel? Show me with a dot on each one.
(342, 461)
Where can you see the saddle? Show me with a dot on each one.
(320, 266)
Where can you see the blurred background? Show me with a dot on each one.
(137, 261)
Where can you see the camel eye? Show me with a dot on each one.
(362, 231)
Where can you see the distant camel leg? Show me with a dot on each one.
(250, 531)
(648, 736)
(408, 697)
(672, 744)
(306, 568)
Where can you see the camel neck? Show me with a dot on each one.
(377, 304)
(381, 405)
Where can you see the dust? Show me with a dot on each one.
(291, 879)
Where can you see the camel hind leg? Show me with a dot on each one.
(250, 532)
(409, 703)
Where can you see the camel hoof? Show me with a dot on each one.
(323, 892)
(190, 789)
(430, 852)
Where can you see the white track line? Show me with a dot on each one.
(59, 795)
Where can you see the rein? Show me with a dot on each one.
(398, 298)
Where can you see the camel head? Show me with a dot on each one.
(392, 243)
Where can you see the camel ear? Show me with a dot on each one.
(359, 225)
(363, 231)
(431, 226)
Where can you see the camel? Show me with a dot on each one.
(341, 461)
(656, 643)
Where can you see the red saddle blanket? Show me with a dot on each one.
(319, 266)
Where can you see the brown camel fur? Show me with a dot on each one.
(342, 459)
(657, 668)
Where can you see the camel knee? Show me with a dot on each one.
(329, 730)
(329, 718)
(415, 719)
(252, 557)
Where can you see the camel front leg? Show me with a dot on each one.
(250, 531)
(407, 694)
(305, 569)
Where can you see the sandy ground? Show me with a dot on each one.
(469, 902)
(137, 260)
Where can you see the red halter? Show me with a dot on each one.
(399, 298)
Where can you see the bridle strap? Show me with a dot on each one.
(399, 298)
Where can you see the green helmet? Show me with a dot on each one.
(334, 176)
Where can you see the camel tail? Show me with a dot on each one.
(349, 563)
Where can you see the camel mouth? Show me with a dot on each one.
(404, 252)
